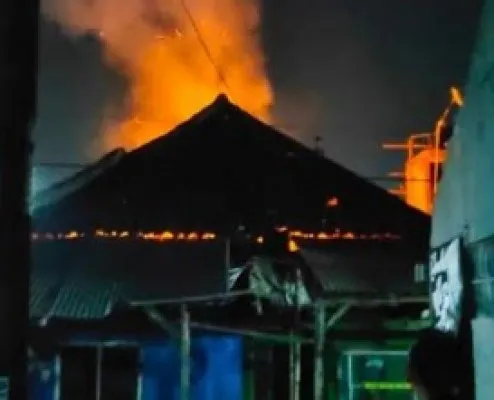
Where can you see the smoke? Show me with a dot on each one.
(177, 56)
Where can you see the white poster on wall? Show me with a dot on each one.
(446, 287)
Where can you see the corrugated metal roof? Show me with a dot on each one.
(43, 292)
(85, 299)
(85, 279)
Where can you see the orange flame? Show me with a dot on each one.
(175, 65)
(292, 246)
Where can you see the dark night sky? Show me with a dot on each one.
(355, 72)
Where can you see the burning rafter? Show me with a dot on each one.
(166, 235)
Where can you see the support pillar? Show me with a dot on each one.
(295, 345)
(320, 325)
(295, 368)
(185, 353)
(99, 365)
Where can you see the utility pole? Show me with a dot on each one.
(18, 77)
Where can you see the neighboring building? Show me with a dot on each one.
(425, 156)
(464, 205)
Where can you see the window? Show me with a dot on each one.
(375, 374)
(88, 373)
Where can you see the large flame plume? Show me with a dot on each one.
(177, 55)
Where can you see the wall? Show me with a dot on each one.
(466, 192)
(465, 201)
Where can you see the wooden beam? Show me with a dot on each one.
(336, 317)
(161, 321)
(193, 299)
(281, 338)
(371, 301)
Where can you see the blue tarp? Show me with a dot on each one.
(216, 370)
(42, 382)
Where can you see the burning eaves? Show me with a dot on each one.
(195, 236)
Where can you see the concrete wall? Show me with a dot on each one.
(465, 202)
(483, 330)
(466, 193)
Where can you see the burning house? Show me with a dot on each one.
(229, 228)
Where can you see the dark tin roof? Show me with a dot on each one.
(220, 169)
(85, 279)
(377, 269)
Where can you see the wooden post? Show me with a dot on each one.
(295, 356)
(298, 370)
(99, 361)
(185, 354)
(57, 369)
(320, 331)
(296, 345)
(291, 349)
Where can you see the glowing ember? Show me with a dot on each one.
(292, 246)
(175, 64)
(195, 236)
(332, 202)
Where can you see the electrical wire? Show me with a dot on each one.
(203, 44)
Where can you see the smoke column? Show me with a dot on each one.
(171, 74)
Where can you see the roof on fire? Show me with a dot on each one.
(220, 169)
(216, 171)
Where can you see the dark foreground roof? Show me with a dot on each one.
(87, 278)
(381, 269)
(220, 169)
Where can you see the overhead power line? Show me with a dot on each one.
(203, 43)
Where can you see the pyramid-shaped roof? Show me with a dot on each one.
(220, 169)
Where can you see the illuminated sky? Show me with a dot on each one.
(354, 72)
